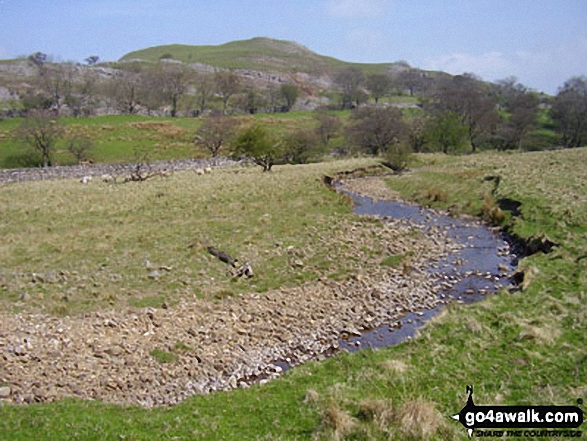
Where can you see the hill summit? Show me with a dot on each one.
(260, 53)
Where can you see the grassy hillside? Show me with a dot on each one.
(527, 347)
(263, 54)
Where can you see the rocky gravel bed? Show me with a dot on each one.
(157, 357)
(112, 170)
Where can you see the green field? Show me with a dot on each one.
(527, 347)
(117, 138)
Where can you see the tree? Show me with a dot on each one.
(411, 80)
(256, 143)
(416, 131)
(378, 85)
(227, 84)
(376, 129)
(38, 58)
(92, 60)
(569, 111)
(290, 93)
(446, 132)
(215, 133)
(174, 80)
(204, 91)
(301, 146)
(349, 81)
(523, 116)
(466, 97)
(41, 130)
(329, 126)
(79, 147)
(125, 90)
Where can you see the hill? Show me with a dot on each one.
(263, 54)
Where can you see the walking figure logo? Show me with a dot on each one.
(474, 417)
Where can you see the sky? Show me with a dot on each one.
(542, 43)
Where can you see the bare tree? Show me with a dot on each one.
(175, 79)
(80, 147)
(329, 126)
(215, 133)
(124, 89)
(204, 91)
(569, 111)
(467, 97)
(227, 84)
(376, 129)
(412, 80)
(41, 130)
(92, 60)
(349, 80)
(379, 85)
(524, 115)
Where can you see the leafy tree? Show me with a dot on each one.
(290, 93)
(446, 132)
(256, 143)
(227, 85)
(302, 147)
(376, 129)
(569, 111)
(378, 85)
(215, 133)
(41, 130)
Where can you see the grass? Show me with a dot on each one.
(527, 347)
(117, 137)
(263, 54)
(144, 244)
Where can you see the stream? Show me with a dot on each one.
(482, 267)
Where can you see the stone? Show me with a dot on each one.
(5, 392)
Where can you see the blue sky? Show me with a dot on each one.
(541, 42)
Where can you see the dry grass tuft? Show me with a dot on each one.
(396, 366)
(436, 194)
(312, 397)
(420, 419)
(338, 420)
(545, 334)
(490, 211)
(380, 412)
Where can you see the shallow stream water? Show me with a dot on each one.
(481, 267)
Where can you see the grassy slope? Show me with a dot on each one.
(116, 137)
(262, 54)
(522, 348)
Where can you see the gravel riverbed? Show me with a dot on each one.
(218, 345)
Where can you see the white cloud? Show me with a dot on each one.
(543, 70)
(357, 8)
